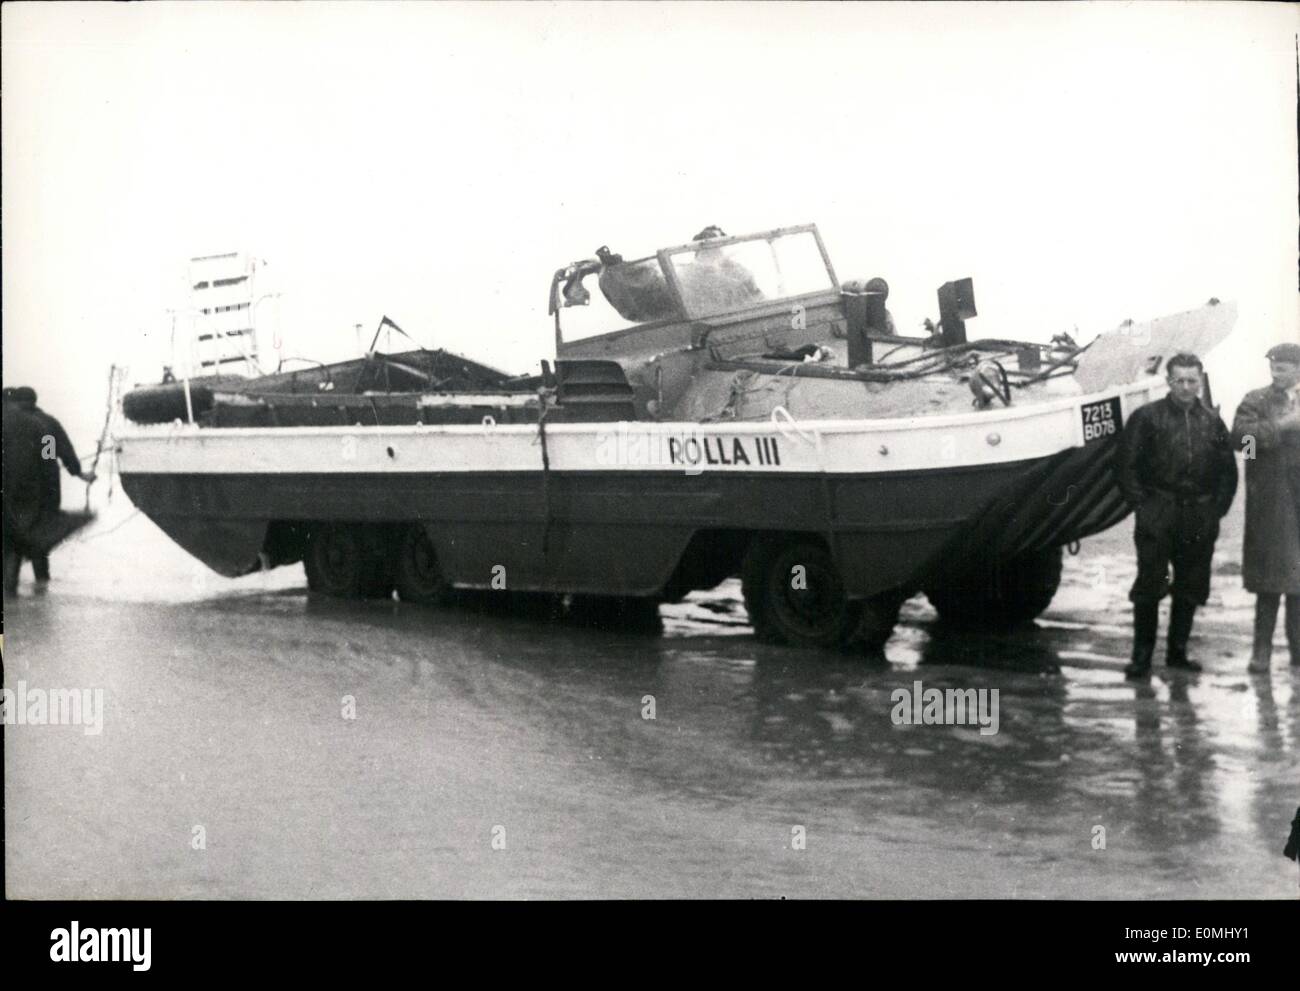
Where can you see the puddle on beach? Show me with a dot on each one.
(224, 709)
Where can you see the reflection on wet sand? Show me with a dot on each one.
(223, 708)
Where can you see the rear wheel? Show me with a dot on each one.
(348, 561)
(418, 577)
(794, 594)
(1012, 593)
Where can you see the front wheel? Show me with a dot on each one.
(418, 577)
(347, 561)
(1010, 594)
(794, 595)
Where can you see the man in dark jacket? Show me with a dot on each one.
(23, 487)
(1267, 429)
(55, 447)
(1177, 471)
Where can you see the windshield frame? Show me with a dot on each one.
(665, 256)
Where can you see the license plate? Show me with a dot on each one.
(1101, 420)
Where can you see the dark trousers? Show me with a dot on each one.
(1177, 533)
(13, 563)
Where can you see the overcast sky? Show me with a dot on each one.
(1083, 162)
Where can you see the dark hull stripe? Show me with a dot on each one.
(624, 532)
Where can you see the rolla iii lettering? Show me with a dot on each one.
(724, 451)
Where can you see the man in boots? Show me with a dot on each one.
(1267, 429)
(1176, 469)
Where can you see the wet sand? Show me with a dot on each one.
(224, 710)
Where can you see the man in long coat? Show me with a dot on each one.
(56, 448)
(24, 488)
(34, 444)
(1267, 430)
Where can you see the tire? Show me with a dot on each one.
(1011, 594)
(417, 575)
(348, 561)
(800, 609)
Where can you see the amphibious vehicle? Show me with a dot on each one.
(724, 407)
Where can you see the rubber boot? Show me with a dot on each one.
(1261, 652)
(1146, 619)
(1181, 614)
(1293, 628)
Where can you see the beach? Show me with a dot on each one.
(260, 743)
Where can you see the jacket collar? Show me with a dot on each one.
(1195, 409)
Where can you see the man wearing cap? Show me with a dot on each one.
(1176, 469)
(1267, 429)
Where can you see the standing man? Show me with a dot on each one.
(55, 447)
(1176, 469)
(1267, 428)
(23, 487)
